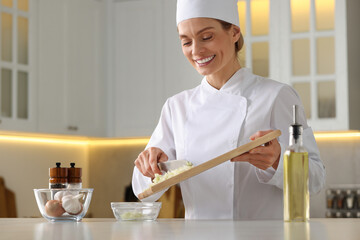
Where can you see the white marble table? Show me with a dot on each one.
(173, 229)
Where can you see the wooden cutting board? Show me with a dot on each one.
(209, 164)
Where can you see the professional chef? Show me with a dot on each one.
(230, 107)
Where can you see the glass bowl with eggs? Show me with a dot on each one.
(63, 204)
(136, 211)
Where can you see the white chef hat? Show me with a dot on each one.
(225, 10)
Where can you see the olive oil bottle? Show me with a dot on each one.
(296, 175)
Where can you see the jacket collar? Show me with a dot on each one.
(235, 85)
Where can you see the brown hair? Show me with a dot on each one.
(239, 44)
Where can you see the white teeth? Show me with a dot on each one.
(205, 60)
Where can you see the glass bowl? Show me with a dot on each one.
(63, 204)
(136, 211)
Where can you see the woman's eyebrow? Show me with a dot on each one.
(200, 31)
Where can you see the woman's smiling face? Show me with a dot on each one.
(209, 48)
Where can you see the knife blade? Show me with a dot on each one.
(171, 165)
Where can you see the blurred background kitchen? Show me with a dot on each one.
(84, 81)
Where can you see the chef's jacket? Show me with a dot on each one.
(202, 123)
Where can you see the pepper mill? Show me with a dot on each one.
(58, 177)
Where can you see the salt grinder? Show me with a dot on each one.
(74, 177)
(58, 177)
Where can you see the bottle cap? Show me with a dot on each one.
(296, 128)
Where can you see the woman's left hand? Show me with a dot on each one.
(262, 157)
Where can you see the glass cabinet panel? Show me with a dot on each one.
(6, 37)
(300, 15)
(242, 19)
(259, 17)
(301, 44)
(23, 40)
(242, 56)
(301, 57)
(7, 3)
(254, 17)
(23, 5)
(304, 90)
(22, 95)
(324, 10)
(313, 55)
(15, 67)
(6, 93)
(326, 99)
(260, 58)
(325, 55)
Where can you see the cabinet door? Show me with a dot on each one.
(85, 67)
(179, 74)
(138, 87)
(313, 33)
(149, 64)
(256, 24)
(17, 65)
(71, 76)
(302, 43)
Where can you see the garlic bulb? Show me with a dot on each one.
(60, 194)
(72, 205)
(53, 208)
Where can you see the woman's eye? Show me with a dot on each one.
(186, 43)
(207, 38)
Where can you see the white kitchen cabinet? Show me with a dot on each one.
(71, 69)
(17, 66)
(179, 74)
(313, 46)
(138, 66)
(319, 53)
(148, 64)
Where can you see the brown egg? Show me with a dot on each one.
(53, 208)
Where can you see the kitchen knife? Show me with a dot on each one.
(172, 165)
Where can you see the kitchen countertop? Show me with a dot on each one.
(107, 228)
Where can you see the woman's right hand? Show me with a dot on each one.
(148, 159)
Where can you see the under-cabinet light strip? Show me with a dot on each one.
(140, 141)
(42, 140)
(328, 135)
(83, 142)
